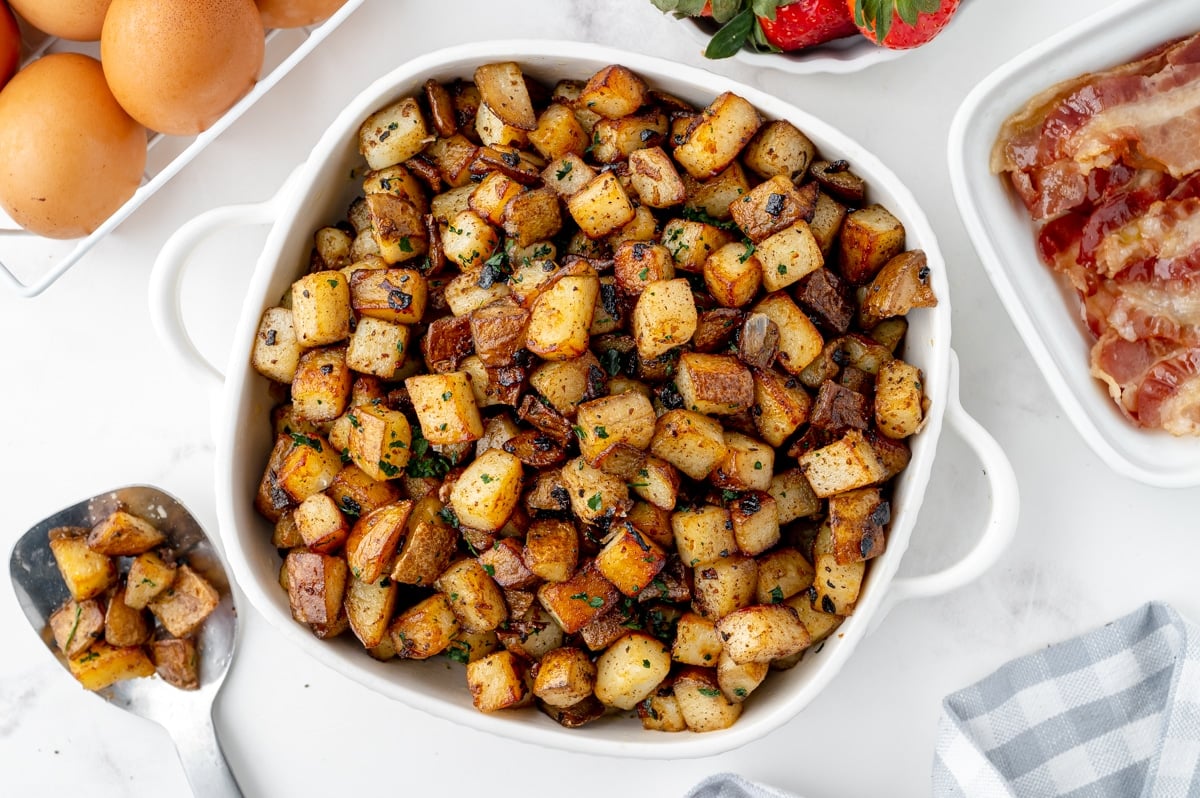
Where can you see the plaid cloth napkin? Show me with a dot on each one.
(1114, 713)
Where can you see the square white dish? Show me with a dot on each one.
(1041, 306)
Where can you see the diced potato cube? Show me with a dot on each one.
(579, 600)
(783, 405)
(738, 681)
(369, 607)
(703, 534)
(626, 418)
(565, 676)
(843, 465)
(793, 496)
(176, 662)
(469, 241)
(779, 149)
(733, 274)
(655, 179)
(393, 134)
(692, 442)
(724, 128)
(899, 406)
(445, 407)
(837, 585)
(558, 132)
(429, 546)
(321, 524)
(182, 607)
(704, 707)
(502, 88)
(613, 92)
(568, 174)
(657, 481)
(123, 534)
(395, 295)
(819, 624)
(799, 340)
(870, 237)
(380, 441)
(724, 585)
(782, 573)
(714, 384)
(755, 518)
(469, 646)
(532, 216)
(636, 264)
(276, 350)
(474, 596)
(492, 196)
(696, 641)
(664, 317)
(358, 494)
(496, 681)
(76, 625)
(560, 320)
(762, 633)
(316, 584)
(372, 543)
(86, 573)
(630, 561)
(771, 207)
(321, 308)
(630, 669)
(691, 243)
(748, 464)
(505, 563)
(788, 255)
(321, 386)
(552, 549)
(397, 228)
(715, 195)
(103, 665)
(601, 207)
(425, 629)
(593, 493)
(309, 467)
(826, 223)
(123, 625)
(857, 519)
(566, 383)
(148, 576)
(487, 492)
(661, 712)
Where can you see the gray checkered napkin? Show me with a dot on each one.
(1114, 713)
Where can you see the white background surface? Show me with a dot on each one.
(91, 403)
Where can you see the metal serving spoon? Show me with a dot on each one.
(185, 714)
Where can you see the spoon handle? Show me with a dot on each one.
(203, 762)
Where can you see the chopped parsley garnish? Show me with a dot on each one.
(776, 594)
(489, 569)
(564, 171)
(601, 432)
(405, 245)
(711, 692)
(594, 502)
(388, 469)
(304, 440)
(486, 478)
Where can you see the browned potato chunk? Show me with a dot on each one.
(630, 669)
(496, 681)
(703, 534)
(148, 576)
(739, 680)
(843, 465)
(474, 596)
(321, 387)
(276, 350)
(626, 418)
(502, 88)
(426, 629)
(395, 295)
(316, 584)
(321, 525)
(429, 546)
(665, 317)
(870, 237)
(748, 464)
(690, 441)
(715, 195)
(799, 340)
(380, 440)
(691, 243)
(837, 585)
(724, 585)
(186, 603)
(565, 676)
(857, 519)
(357, 493)
(733, 274)
(123, 625)
(393, 134)
(321, 308)
(86, 573)
(630, 561)
(76, 625)
(568, 173)
(176, 662)
(782, 573)
(661, 712)
(579, 600)
(636, 264)
(309, 466)
(532, 216)
(445, 407)
(762, 633)
(901, 285)
(372, 543)
(123, 535)
(103, 665)
(369, 607)
(655, 179)
(770, 207)
(704, 707)
(793, 496)
(714, 384)
(713, 141)
(696, 641)
(789, 255)
(899, 406)
(561, 318)
(488, 490)
(779, 149)
(613, 92)
(601, 207)
(558, 132)
(552, 549)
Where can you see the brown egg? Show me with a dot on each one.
(296, 13)
(177, 65)
(80, 20)
(69, 154)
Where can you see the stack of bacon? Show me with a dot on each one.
(1109, 165)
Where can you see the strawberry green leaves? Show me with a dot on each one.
(875, 16)
(730, 38)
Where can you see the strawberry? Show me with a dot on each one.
(766, 25)
(901, 24)
(806, 23)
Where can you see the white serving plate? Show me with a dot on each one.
(15, 243)
(838, 57)
(1041, 306)
(318, 194)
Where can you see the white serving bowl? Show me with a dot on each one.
(318, 194)
(1042, 307)
(838, 57)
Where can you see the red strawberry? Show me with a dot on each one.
(806, 23)
(901, 24)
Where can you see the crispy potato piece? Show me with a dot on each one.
(561, 318)
(714, 384)
(103, 665)
(703, 534)
(696, 641)
(691, 243)
(552, 549)
(789, 255)
(799, 340)
(565, 676)
(837, 585)
(182, 607)
(123, 534)
(738, 680)
(843, 465)
(626, 418)
(661, 712)
(316, 584)
(779, 148)
(148, 576)
(601, 207)
(857, 519)
(557, 133)
(690, 441)
(496, 681)
(76, 625)
(899, 405)
(748, 464)
(488, 490)
(733, 274)
(445, 407)
(594, 494)
(308, 466)
(393, 134)
(630, 561)
(87, 573)
(502, 87)
(901, 285)
(613, 92)
(631, 669)
(724, 585)
(425, 629)
(716, 138)
(320, 523)
(123, 625)
(372, 543)
(793, 496)
(782, 573)
(762, 633)
(870, 237)
(665, 317)
(474, 596)
(654, 177)
(578, 601)
(703, 706)
(276, 351)
(176, 662)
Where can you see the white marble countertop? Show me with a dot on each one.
(93, 403)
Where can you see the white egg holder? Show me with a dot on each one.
(166, 155)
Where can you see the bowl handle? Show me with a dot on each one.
(166, 279)
(1001, 522)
